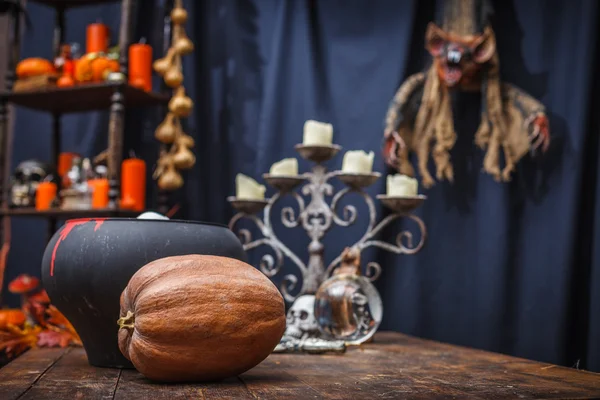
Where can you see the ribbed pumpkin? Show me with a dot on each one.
(199, 318)
(34, 67)
(11, 317)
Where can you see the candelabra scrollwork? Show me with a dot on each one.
(317, 217)
(270, 265)
(403, 244)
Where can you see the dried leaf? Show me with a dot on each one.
(14, 340)
(57, 319)
(53, 339)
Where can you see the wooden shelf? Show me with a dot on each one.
(67, 214)
(72, 3)
(81, 98)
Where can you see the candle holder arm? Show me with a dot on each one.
(350, 215)
(288, 215)
(349, 212)
(403, 244)
(399, 247)
(270, 265)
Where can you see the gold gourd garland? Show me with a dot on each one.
(170, 132)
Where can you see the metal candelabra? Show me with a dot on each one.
(317, 217)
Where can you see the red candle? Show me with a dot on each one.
(65, 161)
(44, 195)
(133, 184)
(100, 192)
(140, 66)
(97, 38)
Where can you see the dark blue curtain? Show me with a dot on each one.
(510, 268)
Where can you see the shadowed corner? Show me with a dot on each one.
(534, 172)
(509, 44)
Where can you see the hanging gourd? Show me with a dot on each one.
(178, 155)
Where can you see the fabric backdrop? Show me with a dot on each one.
(510, 268)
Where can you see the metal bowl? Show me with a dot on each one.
(358, 181)
(317, 154)
(284, 183)
(247, 206)
(402, 205)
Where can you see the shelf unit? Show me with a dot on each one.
(88, 97)
(115, 97)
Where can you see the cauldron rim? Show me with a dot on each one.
(122, 219)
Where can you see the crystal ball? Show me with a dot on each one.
(348, 307)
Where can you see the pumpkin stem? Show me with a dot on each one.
(127, 321)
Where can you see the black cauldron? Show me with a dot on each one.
(89, 262)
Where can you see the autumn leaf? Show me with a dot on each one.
(14, 340)
(57, 319)
(54, 339)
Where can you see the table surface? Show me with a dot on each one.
(393, 366)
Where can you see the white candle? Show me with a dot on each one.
(248, 189)
(358, 162)
(285, 167)
(317, 133)
(401, 186)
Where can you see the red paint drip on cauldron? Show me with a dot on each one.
(65, 232)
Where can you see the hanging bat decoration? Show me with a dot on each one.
(464, 58)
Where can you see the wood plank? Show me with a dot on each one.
(132, 385)
(19, 375)
(339, 382)
(270, 381)
(354, 375)
(394, 366)
(441, 368)
(71, 377)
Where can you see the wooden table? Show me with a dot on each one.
(394, 366)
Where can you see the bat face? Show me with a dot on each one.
(459, 58)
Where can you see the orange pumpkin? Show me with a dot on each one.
(12, 317)
(99, 65)
(65, 81)
(93, 68)
(83, 69)
(34, 67)
(199, 318)
(113, 66)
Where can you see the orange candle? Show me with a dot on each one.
(65, 161)
(133, 184)
(97, 38)
(140, 66)
(44, 195)
(99, 192)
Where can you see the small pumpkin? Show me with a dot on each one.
(199, 318)
(65, 81)
(34, 67)
(94, 68)
(103, 66)
(83, 69)
(11, 317)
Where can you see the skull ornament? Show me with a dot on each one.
(25, 180)
(301, 320)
